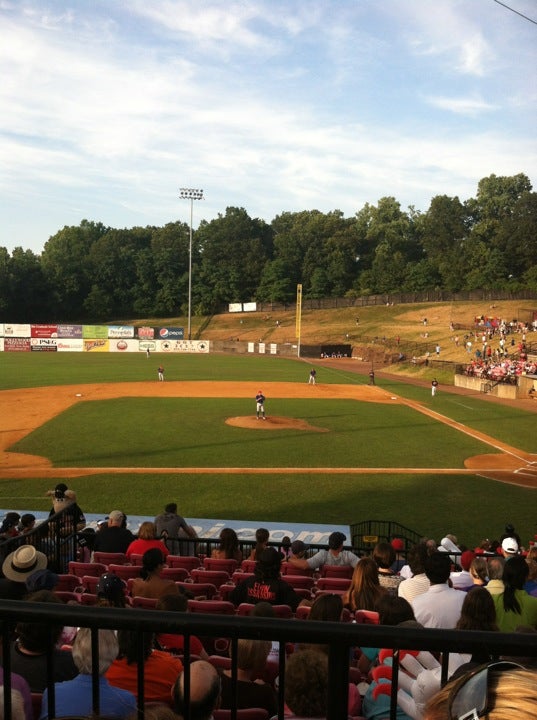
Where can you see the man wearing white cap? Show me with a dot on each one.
(509, 547)
(115, 537)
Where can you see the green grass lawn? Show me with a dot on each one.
(191, 432)
(176, 432)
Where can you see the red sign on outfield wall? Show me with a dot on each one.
(15, 344)
(44, 331)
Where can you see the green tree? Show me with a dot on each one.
(66, 268)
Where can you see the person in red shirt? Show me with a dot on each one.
(147, 539)
(160, 668)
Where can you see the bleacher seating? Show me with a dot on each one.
(107, 558)
(189, 562)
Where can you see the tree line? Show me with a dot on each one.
(92, 272)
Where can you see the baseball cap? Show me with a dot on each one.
(510, 546)
(116, 516)
(298, 547)
(110, 584)
(336, 540)
(398, 544)
(466, 559)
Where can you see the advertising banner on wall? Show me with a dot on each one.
(94, 331)
(17, 330)
(121, 331)
(1, 344)
(16, 344)
(1, 329)
(147, 333)
(183, 346)
(123, 345)
(249, 307)
(96, 345)
(171, 333)
(234, 307)
(43, 344)
(145, 345)
(70, 331)
(70, 344)
(43, 331)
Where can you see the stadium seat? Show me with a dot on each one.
(216, 577)
(198, 590)
(225, 590)
(177, 574)
(337, 571)
(211, 607)
(106, 558)
(125, 571)
(66, 596)
(290, 569)
(333, 584)
(243, 714)
(227, 565)
(143, 602)
(366, 617)
(302, 612)
(281, 611)
(248, 566)
(89, 599)
(89, 583)
(304, 582)
(79, 569)
(239, 576)
(67, 583)
(189, 562)
(136, 559)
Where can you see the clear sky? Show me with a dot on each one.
(108, 107)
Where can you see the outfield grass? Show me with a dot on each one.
(191, 432)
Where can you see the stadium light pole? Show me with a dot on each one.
(190, 194)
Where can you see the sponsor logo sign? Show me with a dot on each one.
(16, 344)
(95, 331)
(17, 330)
(96, 345)
(44, 331)
(146, 332)
(145, 345)
(43, 344)
(70, 344)
(123, 345)
(184, 346)
(70, 331)
(167, 333)
(121, 331)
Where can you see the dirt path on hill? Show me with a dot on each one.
(24, 410)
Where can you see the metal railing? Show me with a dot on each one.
(340, 638)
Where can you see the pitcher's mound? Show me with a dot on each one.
(274, 422)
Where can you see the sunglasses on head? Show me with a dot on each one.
(469, 698)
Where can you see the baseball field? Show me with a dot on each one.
(338, 452)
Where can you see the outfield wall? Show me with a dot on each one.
(18, 337)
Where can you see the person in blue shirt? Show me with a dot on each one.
(74, 697)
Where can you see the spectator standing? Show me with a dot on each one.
(115, 537)
(440, 606)
(172, 526)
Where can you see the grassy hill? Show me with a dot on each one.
(393, 328)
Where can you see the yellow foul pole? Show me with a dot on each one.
(298, 315)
